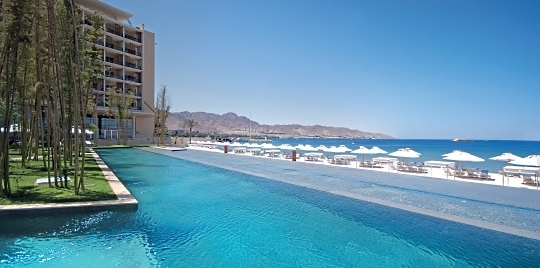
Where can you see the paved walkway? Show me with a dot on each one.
(125, 199)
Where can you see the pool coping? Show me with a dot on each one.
(124, 198)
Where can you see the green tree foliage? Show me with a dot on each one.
(162, 112)
(190, 124)
(46, 71)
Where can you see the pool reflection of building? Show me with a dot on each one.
(128, 57)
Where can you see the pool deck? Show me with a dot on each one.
(489, 204)
(125, 199)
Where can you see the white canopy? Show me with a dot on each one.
(362, 150)
(531, 160)
(439, 164)
(345, 156)
(268, 146)
(519, 169)
(308, 147)
(313, 154)
(462, 156)
(322, 148)
(405, 153)
(377, 150)
(236, 144)
(286, 147)
(506, 157)
(385, 159)
(254, 145)
(344, 148)
(332, 149)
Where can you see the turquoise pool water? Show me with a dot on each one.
(193, 215)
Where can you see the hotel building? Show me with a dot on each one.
(128, 58)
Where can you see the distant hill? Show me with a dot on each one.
(232, 124)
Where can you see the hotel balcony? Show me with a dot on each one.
(112, 75)
(130, 78)
(112, 60)
(133, 66)
(135, 93)
(132, 38)
(133, 52)
(109, 30)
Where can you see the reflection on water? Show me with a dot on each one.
(197, 216)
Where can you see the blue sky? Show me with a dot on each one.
(410, 69)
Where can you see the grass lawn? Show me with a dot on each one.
(24, 191)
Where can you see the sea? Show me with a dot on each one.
(432, 149)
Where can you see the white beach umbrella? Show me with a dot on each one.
(286, 147)
(268, 146)
(236, 144)
(344, 149)
(506, 157)
(458, 155)
(309, 147)
(254, 145)
(377, 150)
(405, 153)
(363, 150)
(322, 148)
(331, 149)
(531, 160)
(299, 147)
(453, 152)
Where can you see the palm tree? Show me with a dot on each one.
(190, 124)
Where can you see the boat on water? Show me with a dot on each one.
(461, 140)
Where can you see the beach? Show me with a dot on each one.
(495, 178)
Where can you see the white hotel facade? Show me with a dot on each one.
(128, 58)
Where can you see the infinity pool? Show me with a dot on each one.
(194, 215)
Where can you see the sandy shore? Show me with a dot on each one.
(432, 172)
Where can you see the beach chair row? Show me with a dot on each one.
(469, 173)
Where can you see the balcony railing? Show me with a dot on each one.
(133, 52)
(132, 65)
(136, 94)
(132, 79)
(132, 38)
(109, 30)
(113, 61)
(111, 75)
(113, 46)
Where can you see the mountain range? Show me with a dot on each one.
(232, 124)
